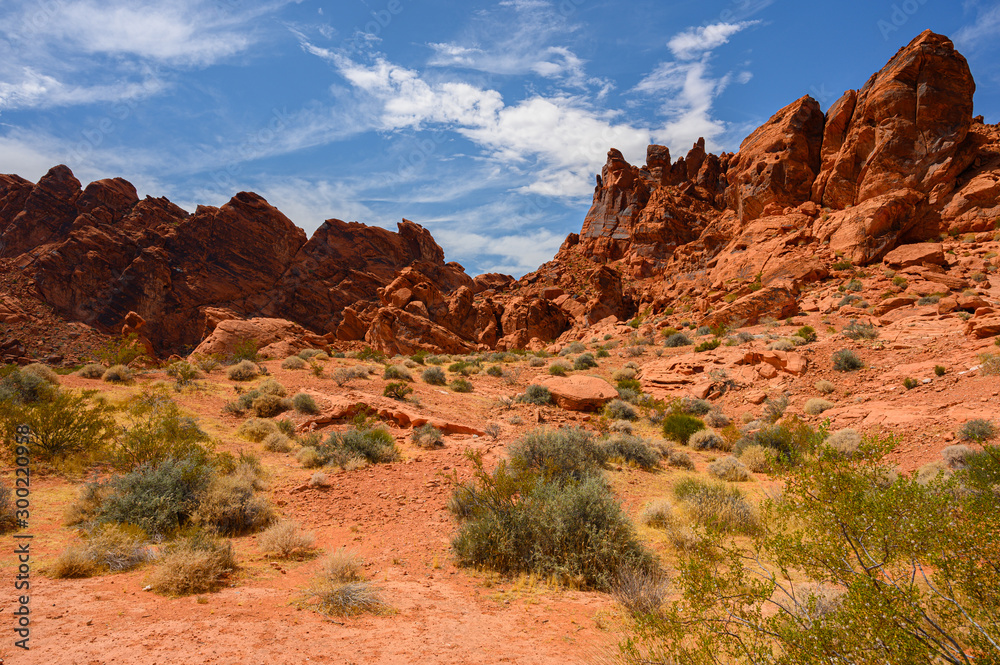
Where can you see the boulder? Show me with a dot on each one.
(274, 338)
(580, 393)
(915, 254)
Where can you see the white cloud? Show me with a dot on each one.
(984, 31)
(695, 42)
(512, 254)
(33, 89)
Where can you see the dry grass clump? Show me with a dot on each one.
(117, 374)
(825, 387)
(286, 539)
(109, 548)
(716, 418)
(623, 374)
(243, 371)
(318, 479)
(816, 406)
(8, 510)
(294, 362)
(781, 345)
(269, 405)
(42, 371)
(270, 386)
(92, 371)
(231, 506)
(758, 458)
(309, 457)
(277, 443)
(658, 514)
(729, 468)
(641, 591)
(845, 442)
(257, 429)
(679, 459)
(196, 564)
(339, 587)
(930, 471)
(707, 439)
(956, 456)
(427, 436)
(717, 506)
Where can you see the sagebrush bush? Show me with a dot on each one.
(706, 439)
(989, 363)
(572, 348)
(845, 442)
(434, 376)
(618, 409)
(758, 458)
(846, 360)
(641, 591)
(294, 362)
(231, 506)
(535, 361)
(244, 370)
(584, 361)
(855, 330)
(285, 539)
(310, 354)
(309, 457)
(781, 345)
(396, 373)
(277, 443)
(816, 406)
(956, 456)
(716, 418)
(374, 446)
(461, 386)
(43, 372)
(304, 403)
(774, 408)
(257, 429)
(92, 371)
(118, 374)
(978, 430)
(825, 387)
(680, 426)
(729, 468)
(695, 407)
(536, 394)
(564, 453)
(679, 459)
(658, 514)
(268, 406)
(106, 548)
(427, 436)
(558, 368)
(677, 340)
(631, 450)
(194, 564)
(717, 506)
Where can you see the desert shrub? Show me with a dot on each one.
(677, 340)
(396, 373)
(270, 386)
(434, 376)
(183, 372)
(309, 457)
(680, 426)
(374, 446)
(293, 362)
(231, 506)
(706, 439)
(461, 386)
(427, 436)
(526, 523)
(195, 564)
(825, 387)
(43, 372)
(107, 548)
(846, 360)
(695, 407)
(92, 371)
(536, 394)
(630, 384)
(781, 345)
(623, 374)
(641, 591)
(989, 363)
(717, 506)
(318, 479)
(118, 374)
(463, 367)
(158, 498)
(855, 330)
(244, 370)
(939, 370)
(67, 429)
(679, 459)
(277, 443)
(808, 333)
(558, 368)
(572, 348)
(845, 442)
(494, 370)
(910, 383)
(122, 350)
(584, 361)
(243, 350)
(338, 588)
(977, 430)
(816, 406)
(621, 427)
(256, 429)
(716, 418)
(956, 456)
(154, 429)
(309, 354)
(285, 539)
(562, 454)
(758, 458)
(618, 409)
(854, 285)
(658, 514)
(631, 450)
(774, 408)
(790, 440)
(535, 361)
(928, 300)
(304, 403)
(708, 345)
(397, 390)
(8, 510)
(729, 468)
(268, 406)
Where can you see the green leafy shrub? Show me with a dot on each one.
(427, 436)
(154, 430)
(434, 376)
(536, 394)
(846, 360)
(558, 369)
(397, 390)
(790, 440)
(631, 450)
(67, 429)
(245, 370)
(808, 333)
(939, 370)
(680, 426)
(304, 403)
(708, 345)
(245, 350)
(910, 383)
(122, 350)
(183, 372)
(461, 386)
(463, 367)
(372, 446)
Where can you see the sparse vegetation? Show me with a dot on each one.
(285, 539)
(680, 426)
(536, 394)
(427, 436)
(846, 360)
(245, 370)
(978, 430)
(816, 406)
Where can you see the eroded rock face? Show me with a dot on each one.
(275, 338)
(905, 129)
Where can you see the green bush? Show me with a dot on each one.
(584, 361)
(463, 367)
(520, 522)
(396, 373)
(939, 370)
(495, 370)
(427, 436)
(910, 383)
(304, 403)
(435, 376)
(397, 390)
(558, 368)
(154, 429)
(978, 430)
(461, 386)
(677, 340)
(183, 372)
(708, 345)
(558, 454)
(374, 446)
(790, 440)
(617, 409)
(256, 429)
(536, 394)
(122, 350)
(66, 429)
(680, 426)
(245, 350)
(846, 360)
(631, 450)
(245, 370)
(808, 333)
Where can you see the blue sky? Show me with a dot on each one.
(483, 121)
